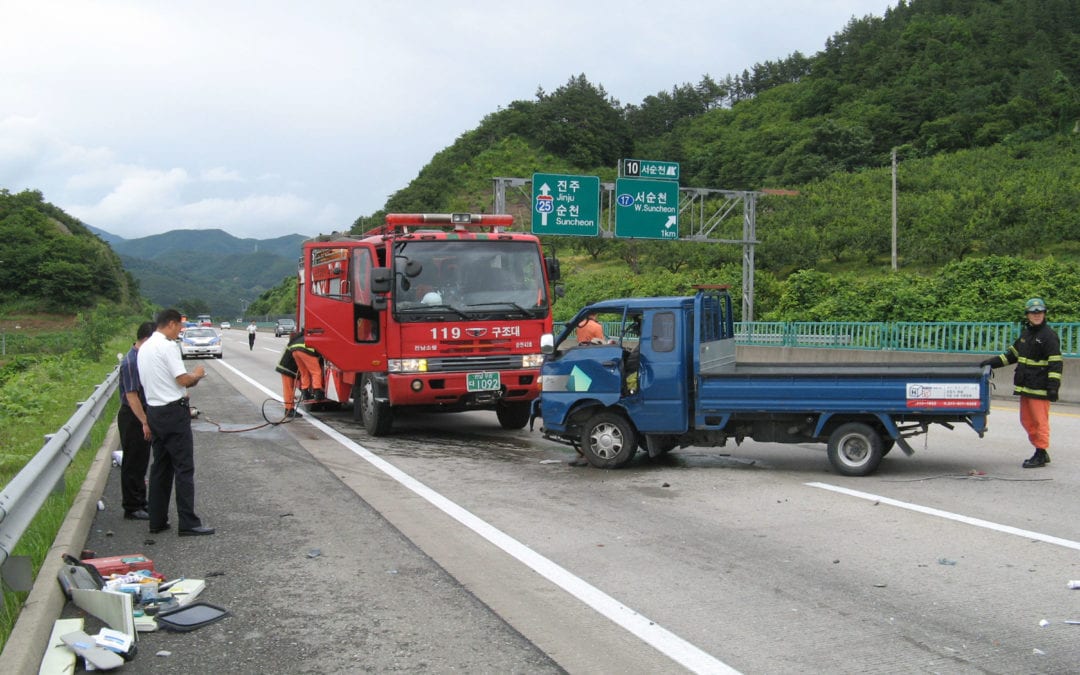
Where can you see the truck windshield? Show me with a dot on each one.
(474, 279)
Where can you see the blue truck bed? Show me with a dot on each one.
(677, 384)
(841, 387)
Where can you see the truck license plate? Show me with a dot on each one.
(482, 381)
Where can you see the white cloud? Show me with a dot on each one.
(220, 174)
(139, 117)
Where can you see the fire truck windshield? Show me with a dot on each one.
(473, 279)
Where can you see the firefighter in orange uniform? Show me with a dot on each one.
(309, 368)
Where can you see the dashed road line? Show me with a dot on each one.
(948, 515)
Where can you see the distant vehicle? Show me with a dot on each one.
(200, 341)
(205, 320)
(284, 327)
(225, 325)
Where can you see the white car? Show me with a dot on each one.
(200, 342)
(225, 325)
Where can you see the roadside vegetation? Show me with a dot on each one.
(38, 394)
(52, 359)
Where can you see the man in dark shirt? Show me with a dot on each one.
(134, 431)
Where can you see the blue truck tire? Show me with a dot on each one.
(608, 440)
(855, 449)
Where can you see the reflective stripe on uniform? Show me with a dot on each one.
(1029, 392)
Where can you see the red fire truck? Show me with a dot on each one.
(441, 312)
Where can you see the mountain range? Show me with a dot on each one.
(205, 270)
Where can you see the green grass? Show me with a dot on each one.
(36, 399)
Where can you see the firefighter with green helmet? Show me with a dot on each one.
(1037, 355)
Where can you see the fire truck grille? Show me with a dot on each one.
(473, 363)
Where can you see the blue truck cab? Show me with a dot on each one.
(667, 377)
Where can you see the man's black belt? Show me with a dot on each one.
(182, 402)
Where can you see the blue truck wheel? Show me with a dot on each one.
(608, 440)
(855, 449)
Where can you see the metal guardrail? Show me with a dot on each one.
(22, 498)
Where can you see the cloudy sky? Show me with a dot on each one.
(266, 118)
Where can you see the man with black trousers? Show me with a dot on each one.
(165, 381)
(134, 430)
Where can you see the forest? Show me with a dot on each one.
(978, 100)
(53, 262)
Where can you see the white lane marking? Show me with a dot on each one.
(977, 522)
(671, 645)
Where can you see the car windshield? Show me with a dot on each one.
(286, 322)
(199, 332)
(466, 279)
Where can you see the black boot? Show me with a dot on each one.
(1039, 459)
(318, 394)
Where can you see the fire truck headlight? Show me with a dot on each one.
(532, 360)
(406, 365)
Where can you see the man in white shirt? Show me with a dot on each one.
(165, 381)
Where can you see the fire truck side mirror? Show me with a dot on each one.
(552, 268)
(382, 279)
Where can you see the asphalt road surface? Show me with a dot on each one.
(452, 545)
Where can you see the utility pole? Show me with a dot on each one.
(894, 209)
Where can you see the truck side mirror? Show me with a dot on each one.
(547, 343)
(382, 279)
(553, 271)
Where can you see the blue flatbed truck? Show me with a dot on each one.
(670, 379)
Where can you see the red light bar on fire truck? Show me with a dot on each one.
(460, 221)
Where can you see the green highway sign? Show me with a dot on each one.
(646, 209)
(565, 204)
(647, 168)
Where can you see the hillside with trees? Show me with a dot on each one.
(52, 262)
(981, 101)
(207, 271)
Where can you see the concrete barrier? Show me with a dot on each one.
(1003, 377)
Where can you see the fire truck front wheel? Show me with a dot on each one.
(373, 413)
(513, 415)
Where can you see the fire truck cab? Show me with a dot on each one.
(434, 312)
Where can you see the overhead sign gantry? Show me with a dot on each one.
(643, 208)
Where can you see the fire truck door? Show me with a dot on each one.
(340, 319)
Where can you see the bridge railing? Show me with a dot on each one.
(920, 336)
(916, 336)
